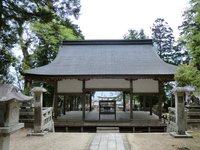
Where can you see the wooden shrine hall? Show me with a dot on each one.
(84, 66)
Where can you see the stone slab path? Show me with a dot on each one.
(109, 141)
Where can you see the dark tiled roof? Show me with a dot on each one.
(106, 57)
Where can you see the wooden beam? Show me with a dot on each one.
(53, 78)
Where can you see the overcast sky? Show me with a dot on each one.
(111, 19)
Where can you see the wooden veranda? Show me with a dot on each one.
(142, 122)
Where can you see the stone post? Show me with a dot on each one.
(38, 95)
(180, 112)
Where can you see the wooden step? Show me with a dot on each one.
(107, 129)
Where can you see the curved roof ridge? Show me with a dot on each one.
(107, 42)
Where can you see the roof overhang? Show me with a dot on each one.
(117, 59)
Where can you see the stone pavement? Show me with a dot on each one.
(109, 141)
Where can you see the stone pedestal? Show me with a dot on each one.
(9, 122)
(10, 98)
(4, 141)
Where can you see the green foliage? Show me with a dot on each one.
(190, 37)
(15, 20)
(135, 35)
(190, 30)
(49, 36)
(6, 59)
(186, 75)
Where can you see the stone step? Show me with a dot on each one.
(107, 129)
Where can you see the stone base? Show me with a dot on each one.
(37, 134)
(175, 135)
(10, 129)
(4, 141)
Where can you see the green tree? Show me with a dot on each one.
(16, 17)
(135, 35)
(186, 75)
(190, 37)
(49, 37)
(6, 60)
(190, 34)
(163, 39)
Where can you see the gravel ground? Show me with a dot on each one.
(81, 141)
(51, 141)
(159, 141)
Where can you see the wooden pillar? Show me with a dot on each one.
(67, 103)
(131, 105)
(55, 101)
(64, 105)
(131, 99)
(144, 102)
(90, 102)
(83, 100)
(83, 106)
(71, 103)
(76, 103)
(160, 97)
(124, 101)
(150, 106)
(55, 105)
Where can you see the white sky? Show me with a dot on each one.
(111, 19)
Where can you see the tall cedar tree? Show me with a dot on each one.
(163, 39)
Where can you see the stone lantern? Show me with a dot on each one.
(10, 98)
(181, 117)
